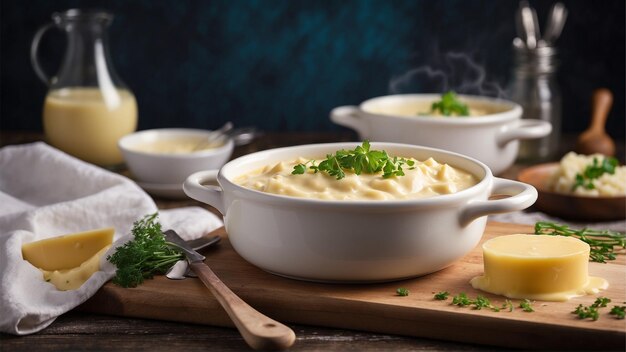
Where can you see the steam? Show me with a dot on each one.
(455, 71)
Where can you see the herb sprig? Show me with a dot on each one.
(143, 256)
(618, 311)
(449, 104)
(462, 300)
(603, 244)
(361, 159)
(591, 311)
(526, 305)
(594, 171)
(401, 291)
(442, 296)
(479, 303)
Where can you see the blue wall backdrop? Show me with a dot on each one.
(283, 65)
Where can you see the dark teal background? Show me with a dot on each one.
(283, 65)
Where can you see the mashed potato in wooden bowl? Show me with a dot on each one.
(589, 175)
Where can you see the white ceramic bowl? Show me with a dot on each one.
(354, 241)
(492, 138)
(165, 168)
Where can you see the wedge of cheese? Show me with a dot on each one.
(68, 251)
(71, 279)
(548, 268)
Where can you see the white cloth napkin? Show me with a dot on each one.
(46, 193)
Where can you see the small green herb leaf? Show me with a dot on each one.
(618, 311)
(526, 306)
(299, 169)
(461, 300)
(402, 291)
(479, 303)
(587, 312)
(601, 302)
(508, 305)
(482, 302)
(594, 171)
(442, 296)
(449, 105)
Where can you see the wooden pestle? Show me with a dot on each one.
(595, 139)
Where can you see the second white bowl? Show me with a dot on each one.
(170, 168)
(492, 138)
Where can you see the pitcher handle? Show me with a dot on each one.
(34, 48)
(196, 187)
(522, 196)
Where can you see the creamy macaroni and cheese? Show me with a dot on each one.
(424, 179)
(564, 179)
(413, 109)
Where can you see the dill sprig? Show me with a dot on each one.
(603, 243)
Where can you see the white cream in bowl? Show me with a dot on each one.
(176, 145)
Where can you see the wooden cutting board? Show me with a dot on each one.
(376, 307)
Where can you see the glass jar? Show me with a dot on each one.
(534, 87)
(88, 108)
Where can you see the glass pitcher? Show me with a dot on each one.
(87, 108)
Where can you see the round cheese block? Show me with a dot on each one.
(547, 268)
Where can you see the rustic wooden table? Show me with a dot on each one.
(78, 330)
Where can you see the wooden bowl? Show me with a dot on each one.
(567, 206)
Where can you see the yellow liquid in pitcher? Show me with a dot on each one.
(87, 124)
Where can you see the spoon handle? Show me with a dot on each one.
(258, 330)
(601, 104)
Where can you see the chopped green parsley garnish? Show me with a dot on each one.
(442, 296)
(449, 105)
(594, 171)
(402, 291)
(361, 159)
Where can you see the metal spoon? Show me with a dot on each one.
(215, 136)
(180, 270)
(243, 135)
(530, 24)
(555, 24)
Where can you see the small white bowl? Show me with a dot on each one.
(492, 138)
(170, 168)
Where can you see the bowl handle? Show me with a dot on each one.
(521, 197)
(523, 129)
(349, 116)
(195, 187)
